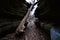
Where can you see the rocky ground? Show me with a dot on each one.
(32, 32)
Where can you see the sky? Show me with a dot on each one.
(33, 10)
(31, 1)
